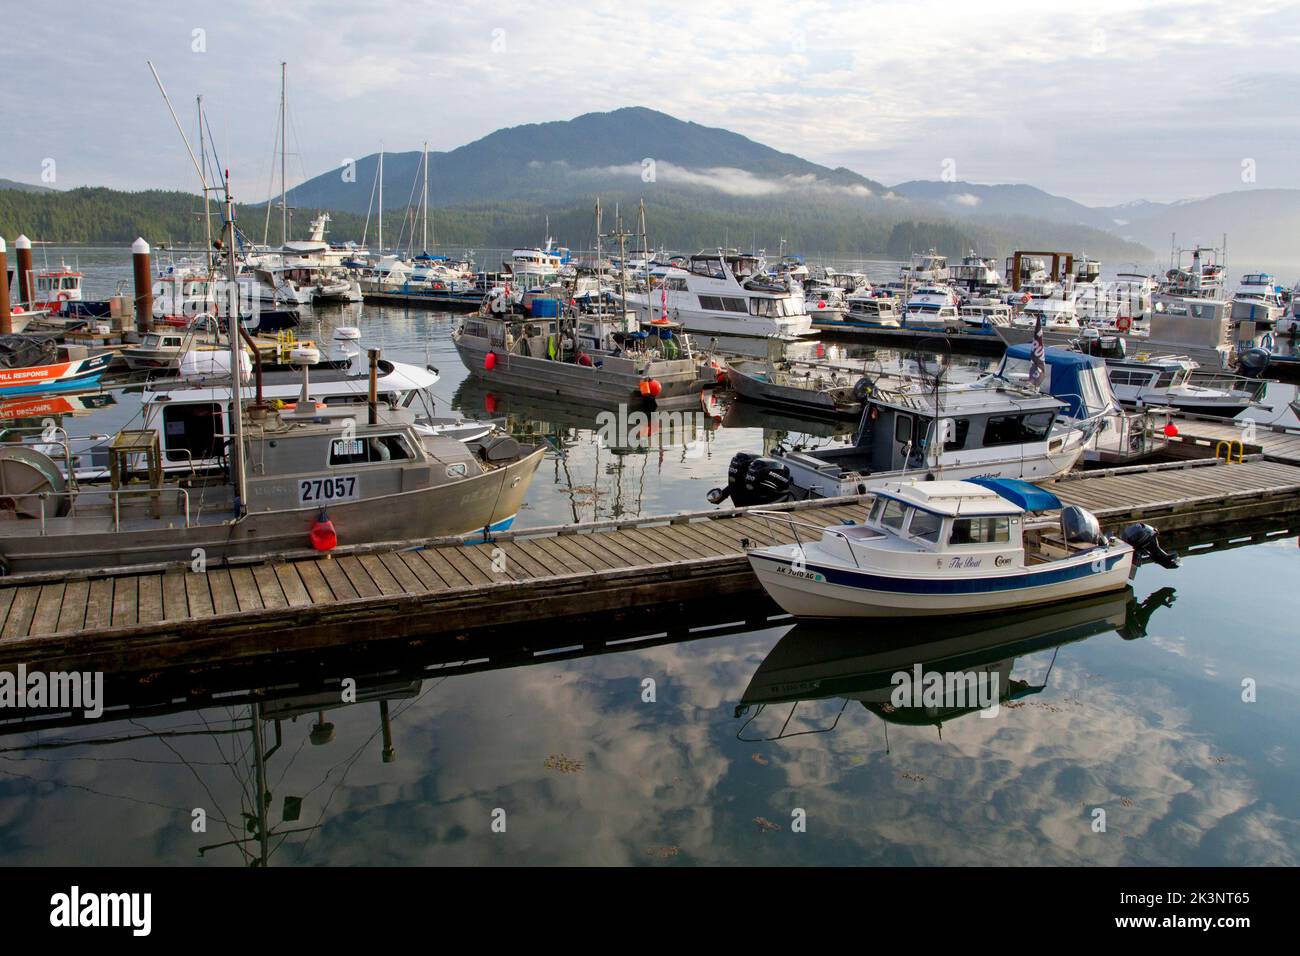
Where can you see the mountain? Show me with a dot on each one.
(557, 161)
(24, 187)
(1262, 228)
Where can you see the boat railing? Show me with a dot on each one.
(116, 495)
(794, 525)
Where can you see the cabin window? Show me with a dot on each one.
(708, 267)
(877, 507)
(925, 526)
(676, 284)
(991, 530)
(892, 516)
(192, 432)
(1017, 429)
(70, 283)
(903, 429)
(957, 436)
(369, 449)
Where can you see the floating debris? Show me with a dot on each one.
(765, 825)
(759, 759)
(563, 764)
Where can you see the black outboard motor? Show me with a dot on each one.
(1079, 526)
(1253, 362)
(754, 480)
(1145, 541)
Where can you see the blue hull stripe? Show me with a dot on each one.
(60, 385)
(875, 582)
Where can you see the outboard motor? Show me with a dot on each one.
(1253, 362)
(1079, 526)
(1145, 541)
(754, 480)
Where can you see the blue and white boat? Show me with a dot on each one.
(945, 547)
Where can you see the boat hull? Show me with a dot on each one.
(489, 500)
(61, 376)
(815, 590)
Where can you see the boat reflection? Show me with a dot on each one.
(972, 660)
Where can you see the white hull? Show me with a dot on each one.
(728, 323)
(808, 592)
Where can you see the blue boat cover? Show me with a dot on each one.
(1022, 493)
(1064, 367)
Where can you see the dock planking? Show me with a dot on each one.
(162, 616)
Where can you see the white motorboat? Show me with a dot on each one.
(1258, 299)
(867, 310)
(724, 293)
(1169, 381)
(941, 548)
(932, 307)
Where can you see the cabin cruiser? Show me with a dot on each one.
(1033, 276)
(603, 356)
(914, 427)
(867, 310)
(1057, 315)
(932, 307)
(826, 306)
(724, 293)
(975, 276)
(984, 315)
(943, 548)
(1168, 381)
(537, 267)
(1258, 300)
(925, 268)
(1201, 278)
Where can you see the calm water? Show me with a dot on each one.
(675, 747)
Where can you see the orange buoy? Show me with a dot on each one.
(323, 536)
(490, 361)
(655, 387)
(1170, 430)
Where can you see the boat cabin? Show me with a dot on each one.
(961, 517)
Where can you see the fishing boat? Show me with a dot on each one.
(161, 351)
(867, 311)
(915, 427)
(932, 307)
(597, 356)
(944, 548)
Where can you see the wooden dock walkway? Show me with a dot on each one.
(1274, 442)
(157, 617)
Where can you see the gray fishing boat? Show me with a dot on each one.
(301, 476)
(595, 357)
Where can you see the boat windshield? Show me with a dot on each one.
(988, 530)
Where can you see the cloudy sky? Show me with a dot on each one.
(1104, 102)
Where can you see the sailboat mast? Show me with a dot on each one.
(207, 208)
(425, 246)
(284, 189)
(236, 355)
(381, 198)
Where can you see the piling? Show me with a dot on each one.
(143, 285)
(6, 320)
(26, 295)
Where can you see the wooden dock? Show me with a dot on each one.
(162, 616)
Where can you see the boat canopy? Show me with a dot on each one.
(1076, 379)
(1022, 493)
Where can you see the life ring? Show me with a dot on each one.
(1123, 323)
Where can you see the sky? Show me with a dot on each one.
(1104, 102)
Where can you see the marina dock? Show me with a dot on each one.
(158, 617)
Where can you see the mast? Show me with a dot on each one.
(207, 208)
(381, 197)
(425, 246)
(284, 190)
(233, 328)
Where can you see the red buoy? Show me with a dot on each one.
(490, 403)
(490, 361)
(1171, 430)
(655, 387)
(323, 536)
